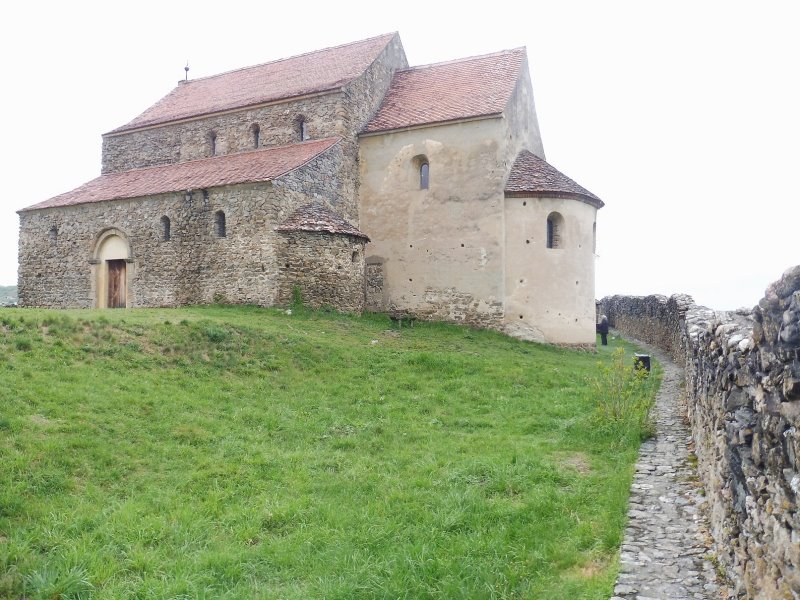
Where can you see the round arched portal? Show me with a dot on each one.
(110, 272)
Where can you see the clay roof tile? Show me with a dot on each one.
(317, 217)
(449, 91)
(532, 175)
(314, 72)
(243, 167)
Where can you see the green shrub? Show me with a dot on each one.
(623, 396)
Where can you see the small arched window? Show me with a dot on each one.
(212, 143)
(555, 227)
(219, 224)
(165, 229)
(302, 126)
(256, 134)
(424, 173)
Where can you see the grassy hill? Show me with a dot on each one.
(8, 294)
(223, 452)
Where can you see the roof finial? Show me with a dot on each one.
(186, 68)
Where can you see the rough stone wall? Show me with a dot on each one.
(195, 265)
(743, 386)
(327, 269)
(189, 140)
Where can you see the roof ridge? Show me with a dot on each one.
(280, 60)
(464, 59)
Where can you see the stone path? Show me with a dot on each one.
(665, 547)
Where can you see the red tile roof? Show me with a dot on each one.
(320, 71)
(449, 91)
(244, 167)
(317, 217)
(531, 175)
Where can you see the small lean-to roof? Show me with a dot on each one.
(532, 176)
(314, 72)
(243, 167)
(450, 91)
(317, 217)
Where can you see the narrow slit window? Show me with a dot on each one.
(219, 224)
(53, 234)
(212, 143)
(165, 229)
(424, 175)
(303, 126)
(256, 135)
(555, 226)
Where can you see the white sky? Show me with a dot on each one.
(683, 116)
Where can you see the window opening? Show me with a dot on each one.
(424, 172)
(165, 229)
(304, 131)
(256, 135)
(212, 143)
(555, 224)
(219, 224)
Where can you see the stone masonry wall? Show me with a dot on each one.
(743, 386)
(189, 140)
(327, 269)
(195, 265)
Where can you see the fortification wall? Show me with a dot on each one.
(743, 386)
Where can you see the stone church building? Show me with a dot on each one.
(342, 173)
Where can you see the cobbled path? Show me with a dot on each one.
(664, 554)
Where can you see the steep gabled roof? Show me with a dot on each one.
(532, 176)
(244, 167)
(317, 217)
(314, 72)
(449, 91)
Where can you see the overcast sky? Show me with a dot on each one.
(684, 117)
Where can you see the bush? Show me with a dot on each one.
(623, 396)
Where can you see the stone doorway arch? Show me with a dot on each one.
(112, 269)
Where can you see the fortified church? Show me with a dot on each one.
(343, 173)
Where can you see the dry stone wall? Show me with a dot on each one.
(743, 386)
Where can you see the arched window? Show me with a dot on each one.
(219, 224)
(424, 172)
(256, 134)
(165, 232)
(555, 227)
(212, 143)
(302, 127)
(420, 163)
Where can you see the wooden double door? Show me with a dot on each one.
(117, 279)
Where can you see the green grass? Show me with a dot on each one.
(222, 452)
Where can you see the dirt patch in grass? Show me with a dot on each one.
(577, 461)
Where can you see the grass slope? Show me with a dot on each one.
(8, 294)
(223, 452)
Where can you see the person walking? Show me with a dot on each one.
(602, 329)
